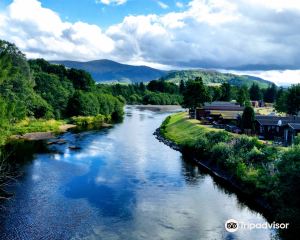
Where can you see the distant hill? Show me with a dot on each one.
(212, 77)
(110, 71)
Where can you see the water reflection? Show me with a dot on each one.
(121, 184)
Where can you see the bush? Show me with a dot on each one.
(220, 153)
(215, 137)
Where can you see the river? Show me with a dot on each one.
(121, 184)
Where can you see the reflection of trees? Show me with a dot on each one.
(195, 174)
(191, 172)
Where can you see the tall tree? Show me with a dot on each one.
(281, 101)
(226, 92)
(248, 118)
(293, 100)
(181, 86)
(243, 95)
(270, 93)
(195, 94)
(255, 92)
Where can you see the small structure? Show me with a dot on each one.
(220, 112)
(282, 129)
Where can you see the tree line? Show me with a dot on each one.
(38, 89)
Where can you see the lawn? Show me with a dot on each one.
(181, 129)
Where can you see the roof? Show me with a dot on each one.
(219, 103)
(224, 108)
(227, 114)
(295, 126)
(275, 120)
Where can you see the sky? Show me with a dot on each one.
(245, 36)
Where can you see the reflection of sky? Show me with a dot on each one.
(122, 184)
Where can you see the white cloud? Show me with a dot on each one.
(179, 4)
(40, 32)
(162, 5)
(219, 33)
(280, 77)
(109, 2)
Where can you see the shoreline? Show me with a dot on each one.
(220, 175)
(37, 136)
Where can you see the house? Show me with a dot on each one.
(220, 112)
(281, 129)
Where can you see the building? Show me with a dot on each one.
(280, 129)
(220, 112)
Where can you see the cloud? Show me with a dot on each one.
(40, 32)
(162, 5)
(109, 2)
(206, 33)
(179, 4)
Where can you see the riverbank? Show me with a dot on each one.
(265, 174)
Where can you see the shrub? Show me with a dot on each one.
(220, 153)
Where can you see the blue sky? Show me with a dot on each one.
(166, 34)
(105, 15)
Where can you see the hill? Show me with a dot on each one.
(107, 70)
(212, 77)
(110, 71)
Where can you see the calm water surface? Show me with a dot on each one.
(121, 184)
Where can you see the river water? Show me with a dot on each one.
(121, 184)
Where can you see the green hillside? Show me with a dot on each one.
(214, 77)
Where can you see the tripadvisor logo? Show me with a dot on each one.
(233, 225)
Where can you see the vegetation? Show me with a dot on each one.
(195, 94)
(38, 96)
(288, 101)
(156, 93)
(248, 118)
(214, 77)
(260, 170)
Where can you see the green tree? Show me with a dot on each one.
(83, 104)
(195, 94)
(255, 92)
(293, 99)
(243, 95)
(181, 86)
(270, 93)
(281, 100)
(226, 92)
(81, 79)
(248, 118)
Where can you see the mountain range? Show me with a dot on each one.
(110, 71)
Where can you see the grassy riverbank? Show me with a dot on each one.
(265, 173)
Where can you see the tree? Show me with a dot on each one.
(248, 118)
(255, 92)
(226, 92)
(281, 100)
(243, 95)
(293, 99)
(270, 93)
(81, 79)
(83, 104)
(181, 86)
(142, 87)
(195, 94)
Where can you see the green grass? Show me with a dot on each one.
(181, 130)
(36, 125)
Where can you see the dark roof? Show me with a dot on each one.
(295, 126)
(219, 103)
(274, 120)
(224, 108)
